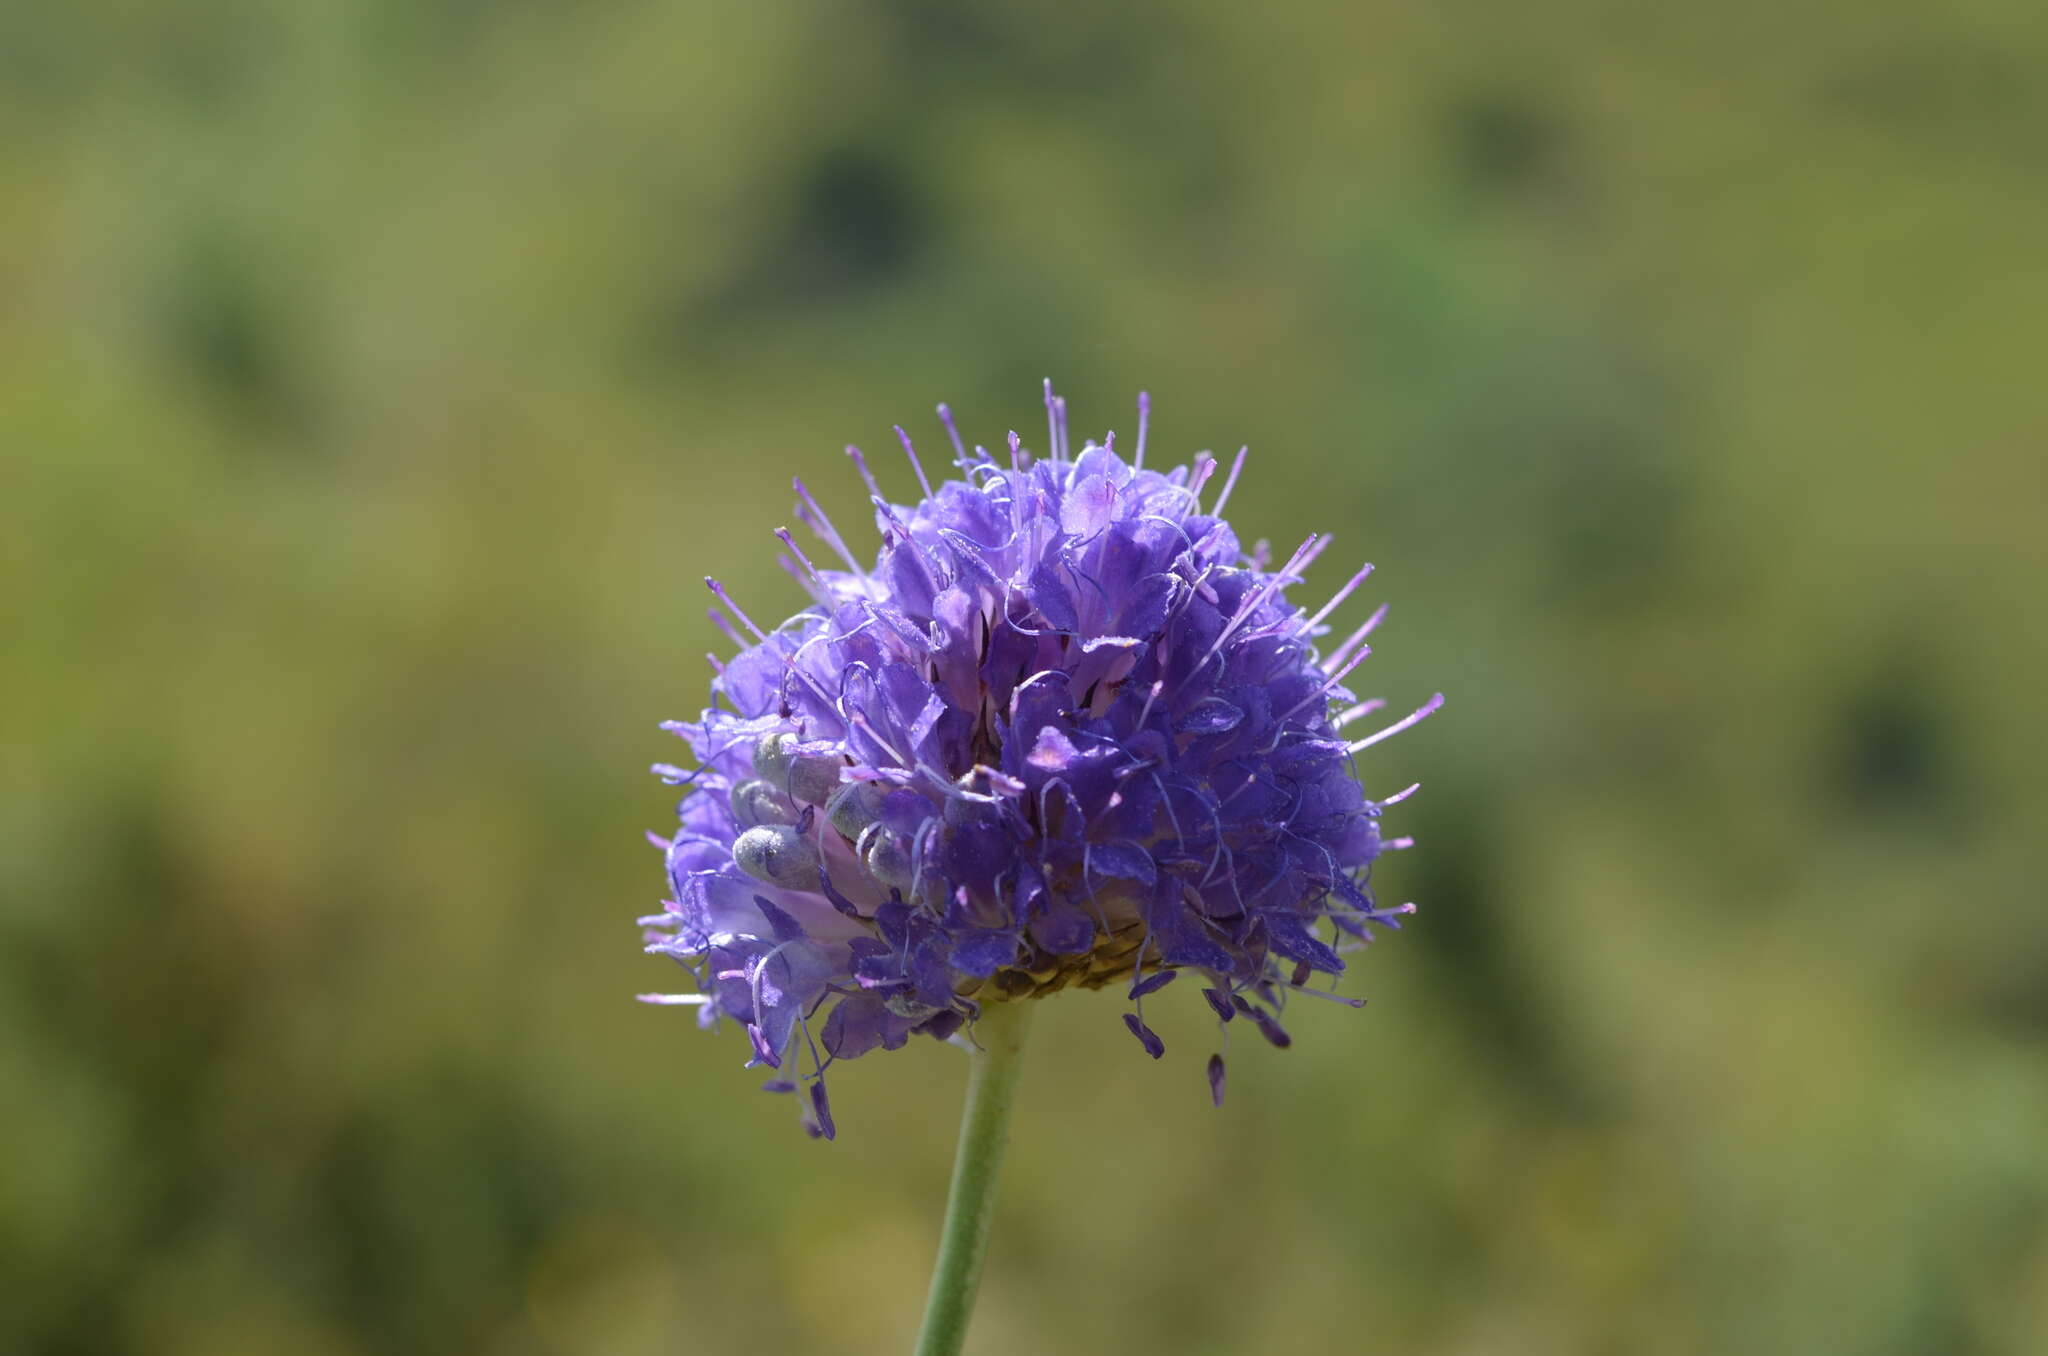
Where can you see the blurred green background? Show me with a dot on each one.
(377, 380)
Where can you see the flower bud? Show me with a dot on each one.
(779, 855)
(758, 802)
(813, 779)
(773, 754)
(808, 778)
(854, 806)
(888, 862)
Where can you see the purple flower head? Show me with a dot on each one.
(1061, 731)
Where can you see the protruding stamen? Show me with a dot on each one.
(1253, 601)
(1290, 573)
(867, 477)
(1144, 418)
(1230, 482)
(1420, 714)
(1052, 423)
(782, 535)
(1384, 917)
(822, 525)
(915, 464)
(718, 590)
(1342, 999)
(1342, 594)
(673, 1000)
(953, 432)
(1402, 794)
(1401, 844)
(1364, 708)
(1204, 468)
(1323, 691)
(725, 627)
(1336, 656)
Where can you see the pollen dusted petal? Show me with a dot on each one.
(1058, 731)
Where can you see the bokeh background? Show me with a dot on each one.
(377, 380)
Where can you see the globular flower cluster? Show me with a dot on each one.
(1061, 731)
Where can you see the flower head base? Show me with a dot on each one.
(1063, 731)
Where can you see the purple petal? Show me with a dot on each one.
(1269, 1025)
(1153, 983)
(1146, 1036)
(1089, 507)
(823, 1110)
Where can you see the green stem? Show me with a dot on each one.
(984, 1131)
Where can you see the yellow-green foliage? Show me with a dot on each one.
(377, 380)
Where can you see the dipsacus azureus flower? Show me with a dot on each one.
(1061, 730)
